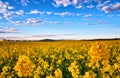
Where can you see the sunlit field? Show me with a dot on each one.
(60, 59)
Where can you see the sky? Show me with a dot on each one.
(59, 19)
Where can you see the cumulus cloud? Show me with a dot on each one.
(111, 8)
(8, 15)
(33, 21)
(11, 30)
(8, 30)
(106, 9)
(48, 13)
(65, 3)
(87, 15)
(39, 12)
(10, 7)
(56, 22)
(4, 10)
(79, 6)
(78, 14)
(19, 12)
(53, 22)
(106, 5)
(35, 12)
(54, 13)
(103, 4)
(8, 12)
(16, 22)
(64, 13)
(75, 2)
(24, 2)
(90, 6)
(62, 2)
(27, 22)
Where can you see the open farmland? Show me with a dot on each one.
(60, 59)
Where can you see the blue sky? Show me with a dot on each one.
(59, 19)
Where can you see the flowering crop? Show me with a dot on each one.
(60, 59)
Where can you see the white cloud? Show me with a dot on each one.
(57, 22)
(8, 30)
(78, 14)
(27, 22)
(116, 6)
(36, 12)
(17, 22)
(11, 30)
(87, 1)
(90, 6)
(8, 15)
(62, 2)
(111, 8)
(10, 7)
(64, 13)
(75, 2)
(87, 15)
(49, 13)
(79, 6)
(106, 5)
(19, 12)
(24, 2)
(106, 9)
(5, 10)
(32, 21)
(52, 22)
(66, 3)
(103, 4)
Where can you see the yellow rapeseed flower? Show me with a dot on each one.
(24, 66)
(58, 73)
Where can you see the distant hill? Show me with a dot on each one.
(52, 40)
(47, 40)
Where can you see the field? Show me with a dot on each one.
(60, 59)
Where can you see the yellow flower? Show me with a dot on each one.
(24, 66)
(50, 76)
(3, 54)
(5, 72)
(99, 52)
(59, 62)
(89, 74)
(58, 73)
(118, 58)
(74, 69)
